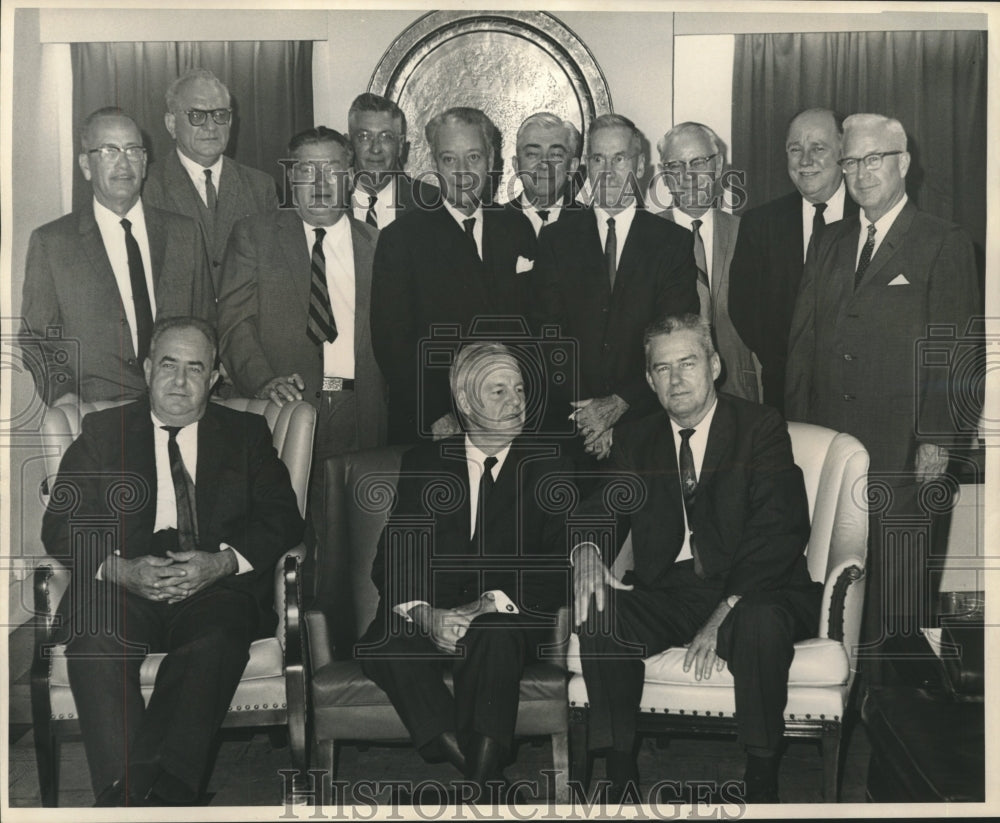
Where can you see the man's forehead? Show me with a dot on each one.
(544, 136)
(325, 152)
(116, 125)
(818, 125)
(201, 89)
(376, 119)
(686, 145)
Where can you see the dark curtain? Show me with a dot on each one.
(933, 82)
(270, 83)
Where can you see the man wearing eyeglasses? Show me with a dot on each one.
(872, 288)
(197, 180)
(603, 274)
(293, 308)
(546, 159)
(692, 158)
(97, 278)
(773, 239)
(382, 191)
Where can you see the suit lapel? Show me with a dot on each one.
(157, 234)
(92, 245)
(295, 250)
(591, 255)
(212, 455)
(888, 246)
(471, 271)
(722, 240)
(364, 253)
(231, 195)
(185, 197)
(629, 259)
(720, 440)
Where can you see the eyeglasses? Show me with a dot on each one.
(110, 154)
(617, 161)
(873, 161)
(694, 164)
(382, 138)
(306, 172)
(198, 117)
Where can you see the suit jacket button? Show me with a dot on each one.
(848, 357)
(848, 397)
(131, 361)
(216, 264)
(318, 395)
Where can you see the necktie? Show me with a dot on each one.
(866, 255)
(689, 488)
(470, 224)
(486, 484)
(818, 222)
(704, 287)
(611, 252)
(211, 196)
(321, 326)
(370, 217)
(543, 214)
(187, 512)
(140, 293)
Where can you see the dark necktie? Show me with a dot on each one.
(486, 484)
(704, 287)
(818, 222)
(866, 255)
(140, 294)
(187, 512)
(321, 326)
(470, 224)
(370, 217)
(689, 488)
(611, 252)
(543, 215)
(211, 196)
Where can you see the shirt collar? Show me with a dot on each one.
(474, 454)
(683, 219)
(196, 171)
(884, 223)
(834, 210)
(552, 210)
(384, 196)
(623, 220)
(459, 217)
(107, 218)
(159, 424)
(333, 233)
(703, 425)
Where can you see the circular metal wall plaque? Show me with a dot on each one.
(508, 65)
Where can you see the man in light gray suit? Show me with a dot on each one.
(294, 301)
(196, 180)
(692, 158)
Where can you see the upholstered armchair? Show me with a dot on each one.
(346, 706)
(835, 467)
(272, 689)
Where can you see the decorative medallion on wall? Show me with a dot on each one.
(508, 64)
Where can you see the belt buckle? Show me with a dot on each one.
(333, 384)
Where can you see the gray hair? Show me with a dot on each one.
(165, 324)
(368, 102)
(683, 322)
(548, 120)
(473, 356)
(87, 129)
(617, 121)
(467, 116)
(690, 127)
(191, 76)
(893, 128)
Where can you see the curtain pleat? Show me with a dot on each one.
(270, 83)
(933, 82)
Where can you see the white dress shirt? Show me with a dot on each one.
(623, 222)
(385, 204)
(833, 212)
(338, 250)
(477, 227)
(113, 236)
(706, 230)
(882, 226)
(475, 462)
(196, 172)
(535, 219)
(698, 442)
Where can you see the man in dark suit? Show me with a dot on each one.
(272, 285)
(692, 158)
(459, 265)
(774, 238)
(718, 537)
(483, 597)
(546, 160)
(197, 180)
(190, 571)
(98, 277)
(872, 290)
(382, 191)
(603, 274)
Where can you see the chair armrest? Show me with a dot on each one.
(841, 601)
(288, 592)
(561, 633)
(296, 658)
(318, 639)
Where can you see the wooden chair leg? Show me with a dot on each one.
(560, 762)
(579, 766)
(326, 762)
(830, 744)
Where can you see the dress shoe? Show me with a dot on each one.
(619, 794)
(761, 779)
(445, 747)
(114, 795)
(487, 760)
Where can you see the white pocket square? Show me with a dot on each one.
(524, 265)
(899, 280)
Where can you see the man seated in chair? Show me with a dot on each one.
(201, 509)
(718, 541)
(482, 596)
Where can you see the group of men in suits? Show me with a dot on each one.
(342, 300)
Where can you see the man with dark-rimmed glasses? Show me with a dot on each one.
(196, 180)
(97, 278)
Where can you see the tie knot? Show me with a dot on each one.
(320, 234)
(489, 463)
(172, 431)
(611, 223)
(372, 200)
(686, 434)
(469, 223)
(695, 225)
(208, 175)
(127, 225)
(871, 231)
(820, 208)
(544, 215)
